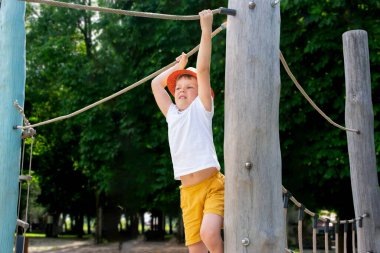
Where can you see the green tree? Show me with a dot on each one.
(118, 152)
(314, 152)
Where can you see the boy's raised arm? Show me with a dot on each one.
(159, 83)
(204, 59)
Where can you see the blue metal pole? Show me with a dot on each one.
(12, 88)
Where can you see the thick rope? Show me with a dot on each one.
(122, 12)
(128, 88)
(290, 74)
(312, 214)
(357, 229)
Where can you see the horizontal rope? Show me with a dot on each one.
(122, 12)
(312, 214)
(130, 87)
(290, 74)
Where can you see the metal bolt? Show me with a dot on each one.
(248, 165)
(252, 5)
(275, 2)
(245, 241)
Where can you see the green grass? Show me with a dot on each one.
(35, 235)
(66, 236)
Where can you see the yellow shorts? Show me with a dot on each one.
(199, 199)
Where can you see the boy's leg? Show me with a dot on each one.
(210, 232)
(198, 247)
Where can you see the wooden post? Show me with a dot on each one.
(361, 147)
(253, 195)
(12, 85)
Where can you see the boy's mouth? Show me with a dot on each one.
(182, 97)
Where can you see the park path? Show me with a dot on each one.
(50, 245)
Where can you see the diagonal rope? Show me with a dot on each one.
(20, 183)
(30, 174)
(128, 88)
(28, 191)
(122, 12)
(289, 72)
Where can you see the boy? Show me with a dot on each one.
(191, 144)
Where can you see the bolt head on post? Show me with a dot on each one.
(275, 2)
(252, 5)
(245, 241)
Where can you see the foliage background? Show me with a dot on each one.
(117, 153)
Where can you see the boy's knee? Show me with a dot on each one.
(210, 236)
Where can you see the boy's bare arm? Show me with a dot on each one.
(161, 96)
(204, 59)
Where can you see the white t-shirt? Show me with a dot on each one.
(190, 138)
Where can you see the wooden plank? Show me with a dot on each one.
(253, 203)
(361, 147)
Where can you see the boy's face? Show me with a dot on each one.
(186, 91)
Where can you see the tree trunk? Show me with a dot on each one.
(142, 222)
(253, 206)
(170, 225)
(361, 147)
(88, 225)
(111, 218)
(99, 220)
(79, 221)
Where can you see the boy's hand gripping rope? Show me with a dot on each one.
(221, 10)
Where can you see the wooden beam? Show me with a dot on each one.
(361, 147)
(12, 86)
(253, 197)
